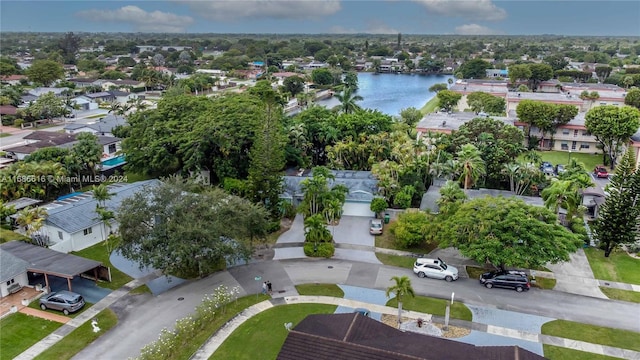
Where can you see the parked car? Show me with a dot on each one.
(560, 169)
(511, 279)
(362, 311)
(601, 172)
(435, 268)
(547, 168)
(375, 226)
(65, 301)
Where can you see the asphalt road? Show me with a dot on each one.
(142, 317)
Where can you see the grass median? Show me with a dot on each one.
(559, 353)
(618, 267)
(320, 290)
(619, 338)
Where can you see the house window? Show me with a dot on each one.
(584, 146)
(565, 131)
(60, 235)
(11, 282)
(603, 103)
(575, 133)
(87, 231)
(586, 133)
(573, 145)
(564, 146)
(112, 148)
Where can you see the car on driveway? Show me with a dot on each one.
(560, 169)
(511, 279)
(65, 301)
(435, 268)
(375, 226)
(601, 172)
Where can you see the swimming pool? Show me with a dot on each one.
(114, 161)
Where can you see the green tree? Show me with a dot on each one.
(69, 45)
(485, 102)
(400, 289)
(44, 72)
(507, 232)
(47, 106)
(473, 69)
(315, 230)
(563, 114)
(451, 196)
(618, 219)
(351, 80)
(348, 101)
(410, 229)
(539, 73)
(612, 127)
(562, 194)
(32, 219)
(181, 230)
(88, 151)
(410, 116)
(438, 87)
(633, 98)
(378, 205)
(470, 164)
(519, 72)
(294, 85)
(448, 99)
(101, 194)
(322, 76)
(557, 62)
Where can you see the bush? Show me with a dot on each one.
(273, 226)
(325, 250)
(287, 209)
(577, 227)
(378, 205)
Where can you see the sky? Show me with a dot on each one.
(463, 17)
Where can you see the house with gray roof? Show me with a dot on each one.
(72, 223)
(13, 273)
(362, 185)
(102, 127)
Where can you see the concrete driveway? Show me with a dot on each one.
(575, 276)
(352, 230)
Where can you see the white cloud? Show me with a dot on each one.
(475, 29)
(373, 27)
(471, 9)
(141, 20)
(229, 10)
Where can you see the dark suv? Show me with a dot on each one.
(517, 280)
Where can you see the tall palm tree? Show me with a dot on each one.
(562, 194)
(33, 219)
(401, 288)
(348, 100)
(101, 194)
(315, 229)
(471, 165)
(115, 108)
(450, 195)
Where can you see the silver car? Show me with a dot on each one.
(65, 301)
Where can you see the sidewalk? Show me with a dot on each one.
(214, 342)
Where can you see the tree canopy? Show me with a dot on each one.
(612, 126)
(45, 72)
(507, 232)
(184, 230)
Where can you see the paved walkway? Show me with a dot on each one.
(210, 347)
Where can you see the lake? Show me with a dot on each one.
(390, 93)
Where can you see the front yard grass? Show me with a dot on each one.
(623, 339)
(262, 336)
(619, 267)
(432, 306)
(99, 252)
(396, 260)
(430, 106)
(19, 331)
(559, 353)
(619, 294)
(79, 338)
(320, 290)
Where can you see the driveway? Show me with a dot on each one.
(575, 276)
(352, 230)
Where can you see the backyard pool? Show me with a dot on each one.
(114, 161)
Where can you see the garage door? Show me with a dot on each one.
(357, 209)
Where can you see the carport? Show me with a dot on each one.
(50, 262)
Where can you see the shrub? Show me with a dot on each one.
(287, 209)
(577, 227)
(325, 250)
(378, 205)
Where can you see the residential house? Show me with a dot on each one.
(8, 110)
(122, 85)
(356, 337)
(13, 273)
(592, 199)
(12, 79)
(72, 223)
(123, 97)
(572, 137)
(84, 103)
(468, 86)
(39, 91)
(314, 65)
(497, 73)
(83, 82)
(102, 127)
(38, 140)
(443, 122)
(99, 97)
(362, 187)
(281, 76)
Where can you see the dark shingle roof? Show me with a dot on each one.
(357, 337)
(49, 261)
(12, 266)
(362, 185)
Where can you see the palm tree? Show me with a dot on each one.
(348, 100)
(332, 210)
(105, 216)
(114, 107)
(315, 229)
(471, 165)
(101, 194)
(562, 194)
(401, 288)
(33, 219)
(450, 195)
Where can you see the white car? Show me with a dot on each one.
(435, 268)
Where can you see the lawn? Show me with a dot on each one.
(619, 267)
(4, 135)
(262, 336)
(619, 294)
(433, 306)
(18, 332)
(430, 106)
(623, 339)
(562, 157)
(79, 338)
(559, 353)
(320, 290)
(99, 252)
(396, 260)
(9, 235)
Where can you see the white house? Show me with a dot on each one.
(102, 127)
(13, 273)
(72, 224)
